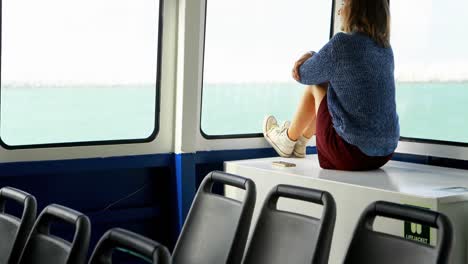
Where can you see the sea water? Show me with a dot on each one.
(76, 113)
(436, 110)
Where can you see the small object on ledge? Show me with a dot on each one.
(283, 164)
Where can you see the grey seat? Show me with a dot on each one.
(44, 248)
(15, 231)
(369, 246)
(129, 242)
(285, 237)
(217, 227)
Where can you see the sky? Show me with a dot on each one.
(429, 39)
(259, 40)
(61, 41)
(115, 41)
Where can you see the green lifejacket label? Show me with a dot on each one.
(418, 232)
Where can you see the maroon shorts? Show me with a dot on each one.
(335, 153)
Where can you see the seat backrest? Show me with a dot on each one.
(287, 237)
(129, 242)
(14, 231)
(44, 248)
(216, 227)
(369, 246)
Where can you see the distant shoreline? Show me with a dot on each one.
(148, 85)
(272, 84)
(68, 85)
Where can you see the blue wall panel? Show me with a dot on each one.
(185, 185)
(149, 194)
(134, 195)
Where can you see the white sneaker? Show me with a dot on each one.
(278, 137)
(301, 147)
(286, 124)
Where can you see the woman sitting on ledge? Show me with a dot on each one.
(349, 101)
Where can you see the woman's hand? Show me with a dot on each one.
(298, 64)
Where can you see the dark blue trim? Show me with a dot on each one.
(228, 155)
(410, 158)
(430, 160)
(186, 186)
(61, 166)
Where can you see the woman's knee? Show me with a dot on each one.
(309, 89)
(317, 89)
(318, 92)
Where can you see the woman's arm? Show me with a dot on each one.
(317, 69)
(299, 63)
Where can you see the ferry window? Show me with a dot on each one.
(431, 68)
(78, 71)
(250, 49)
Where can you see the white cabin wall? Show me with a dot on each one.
(189, 68)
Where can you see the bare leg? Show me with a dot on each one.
(319, 92)
(310, 129)
(306, 115)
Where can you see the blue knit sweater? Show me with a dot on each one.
(361, 91)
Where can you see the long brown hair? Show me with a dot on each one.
(371, 17)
